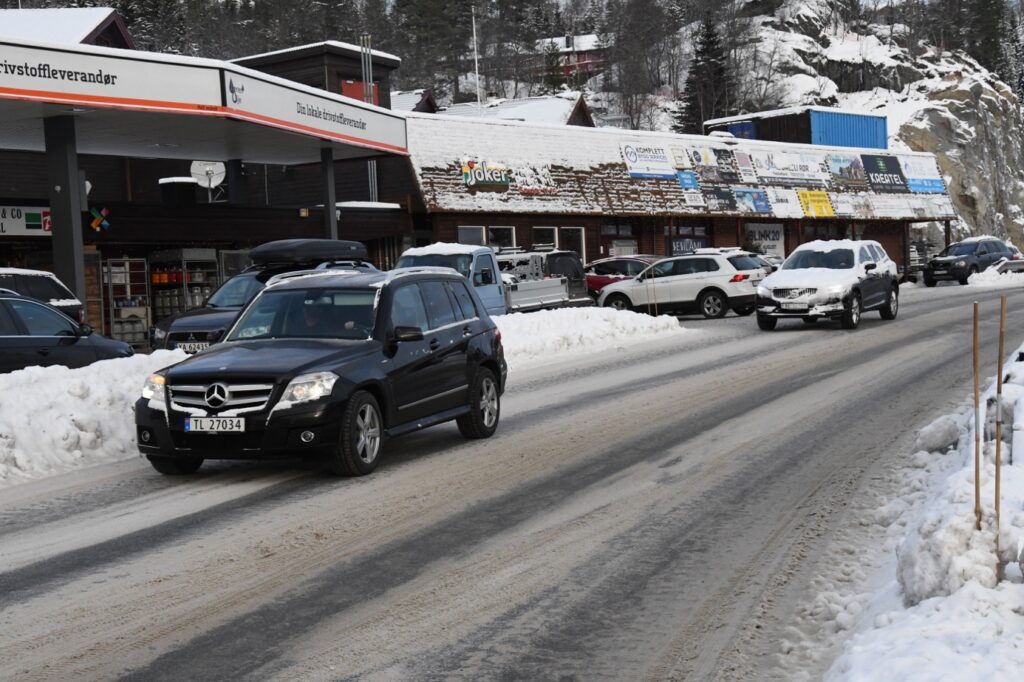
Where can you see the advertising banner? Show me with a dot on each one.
(713, 166)
(752, 200)
(688, 179)
(25, 221)
(770, 238)
(942, 206)
(847, 172)
(890, 206)
(884, 173)
(922, 174)
(694, 199)
(790, 169)
(816, 204)
(479, 175)
(785, 203)
(850, 205)
(745, 168)
(534, 180)
(647, 161)
(720, 200)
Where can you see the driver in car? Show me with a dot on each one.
(317, 319)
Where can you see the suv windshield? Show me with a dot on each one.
(236, 292)
(461, 262)
(837, 259)
(314, 313)
(961, 249)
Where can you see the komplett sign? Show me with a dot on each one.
(484, 176)
(25, 221)
(648, 161)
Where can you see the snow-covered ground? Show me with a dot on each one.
(937, 611)
(54, 419)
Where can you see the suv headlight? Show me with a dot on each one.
(153, 389)
(835, 290)
(159, 334)
(961, 264)
(307, 387)
(764, 292)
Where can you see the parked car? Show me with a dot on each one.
(476, 263)
(34, 334)
(330, 365)
(710, 282)
(190, 331)
(43, 286)
(964, 258)
(601, 273)
(837, 279)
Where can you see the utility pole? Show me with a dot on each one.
(476, 63)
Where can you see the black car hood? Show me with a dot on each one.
(200, 320)
(274, 358)
(945, 260)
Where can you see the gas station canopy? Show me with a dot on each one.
(141, 104)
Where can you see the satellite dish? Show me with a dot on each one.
(208, 174)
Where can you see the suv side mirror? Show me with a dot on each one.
(408, 334)
(483, 277)
(868, 267)
(85, 329)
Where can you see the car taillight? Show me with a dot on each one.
(81, 317)
(497, 335)
(739, 278)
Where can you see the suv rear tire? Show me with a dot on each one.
(362, 437)
(484, 407)
(713, 304)
(929, 281)
(619, 302)
(766, 323)
(892, 305)
(174, 466)
(851, 318)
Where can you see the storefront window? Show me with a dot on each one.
(544, 236)
(471, 235)
(683, 237)
(505, 237)
(572, 239)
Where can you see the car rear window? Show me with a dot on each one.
(565, 265)
(40, 287)
(744, 263)
(7, 327)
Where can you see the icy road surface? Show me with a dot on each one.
(661, 517)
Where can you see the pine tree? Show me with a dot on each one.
(709, 87)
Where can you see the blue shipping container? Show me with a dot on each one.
(837, 129)
(743, 129)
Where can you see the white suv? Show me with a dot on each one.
(838, 279)
(709, 281)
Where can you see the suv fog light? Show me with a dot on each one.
(145, 435)
(307, 436)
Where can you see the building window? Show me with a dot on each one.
(686, 231)
(573, 239)
(545, 236)
(471, 234)
(505, 237)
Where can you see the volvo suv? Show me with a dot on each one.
(837, 279)
(330, 365)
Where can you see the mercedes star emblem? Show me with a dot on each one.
(217, 395)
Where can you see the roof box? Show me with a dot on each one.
(299, 251)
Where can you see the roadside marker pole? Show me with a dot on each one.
(977, 429)
(999, 424)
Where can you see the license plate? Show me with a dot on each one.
(195, 347)
(794, 306)
(215, 424)
(939, 272)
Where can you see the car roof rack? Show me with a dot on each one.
(294, 274)
(307, 251)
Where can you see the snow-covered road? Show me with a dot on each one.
(653, 513)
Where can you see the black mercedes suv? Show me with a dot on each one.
(330, 364)
(961, 260)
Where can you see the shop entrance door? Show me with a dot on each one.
(573, 239)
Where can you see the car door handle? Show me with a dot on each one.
(466, 331)
(43, 351)
(434, 344)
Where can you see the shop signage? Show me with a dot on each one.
(816, 204)
(745, 168)
(720, 200)
(533, 180)
(884, 173)
(694, 199)
(298, 108)
(785, 203)
(770, 238)
(714, 166)
(890, 206)
(790, 169)
(99, 219)
(922, 174)
(688, 179)
(25, 221)
(752, 200)
(484, 176)
(847, 172)
(648, 161)
(852, 205)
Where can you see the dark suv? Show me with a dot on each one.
(961, 260)
(190, 331)
(330, 365)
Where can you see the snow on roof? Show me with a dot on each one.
(581, 43)
(443, 249)
(789, 112)
(325, 45)
(544, 109)
(570, 170)
(22, 271)
(379, 205)
(406, 101)
(69, 25)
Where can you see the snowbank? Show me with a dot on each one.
(53, 419)
(991, 279)
(946, 617)
(548, 335)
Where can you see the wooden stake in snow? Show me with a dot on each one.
(999, 423)
(977, 429)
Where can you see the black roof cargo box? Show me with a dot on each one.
(297, 251)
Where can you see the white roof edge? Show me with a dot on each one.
(788, 111)
(740, 143)
(381, 205)
(337, 43)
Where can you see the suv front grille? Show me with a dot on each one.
(793, 293)
(239, 397)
